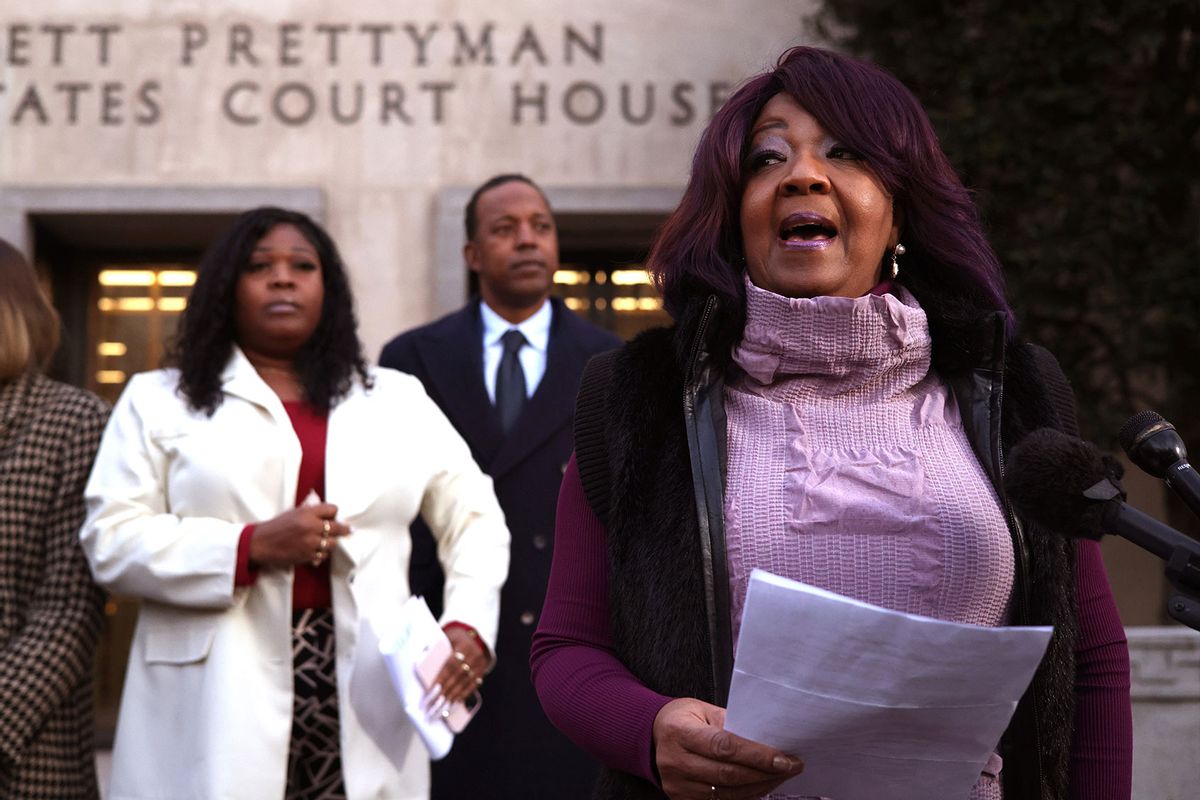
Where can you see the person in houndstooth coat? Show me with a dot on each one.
(50, 610)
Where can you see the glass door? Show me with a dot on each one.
(134, 318)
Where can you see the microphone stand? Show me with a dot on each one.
(1181, 553)
(1183, 572)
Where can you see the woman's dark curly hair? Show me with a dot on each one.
(328, 362)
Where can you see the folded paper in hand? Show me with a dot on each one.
(876, 702)
(410, 635)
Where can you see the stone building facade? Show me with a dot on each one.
(152, 121)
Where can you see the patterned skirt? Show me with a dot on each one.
(314, 756)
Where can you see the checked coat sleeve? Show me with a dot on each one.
(51, 609)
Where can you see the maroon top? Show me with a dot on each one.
(310, 588)
(592, 698)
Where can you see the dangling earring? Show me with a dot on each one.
(897, 251)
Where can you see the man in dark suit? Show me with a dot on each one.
(512, 398)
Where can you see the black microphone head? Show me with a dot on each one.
(1048, 473)
(1152, 443)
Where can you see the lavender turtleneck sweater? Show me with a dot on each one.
(848, 469)
(848, 465)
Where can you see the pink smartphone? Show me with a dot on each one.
(456, 715)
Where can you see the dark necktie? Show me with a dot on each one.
(510, 380)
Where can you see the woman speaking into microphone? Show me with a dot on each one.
(834, 404)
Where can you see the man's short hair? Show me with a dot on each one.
(469, 219)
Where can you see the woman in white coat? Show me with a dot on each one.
(257, 499)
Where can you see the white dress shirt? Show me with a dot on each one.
(536, 331)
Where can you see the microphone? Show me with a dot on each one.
(1152, 443)
(1068, 486)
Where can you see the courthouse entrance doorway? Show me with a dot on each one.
(119, 282)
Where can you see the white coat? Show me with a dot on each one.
(207, 705)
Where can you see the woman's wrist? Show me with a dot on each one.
(472, 633)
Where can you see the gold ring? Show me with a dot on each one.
(460, 656)
(318, 557)
(466, 667)
(326, 527)
(479, 681)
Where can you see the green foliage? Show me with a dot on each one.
(1077, 125)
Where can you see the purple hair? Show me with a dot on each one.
(699, 249)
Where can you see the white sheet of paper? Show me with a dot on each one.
(408, 636)
(876, 702)
(373, 697)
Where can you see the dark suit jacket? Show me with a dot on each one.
(509, 750)
(50, 610)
